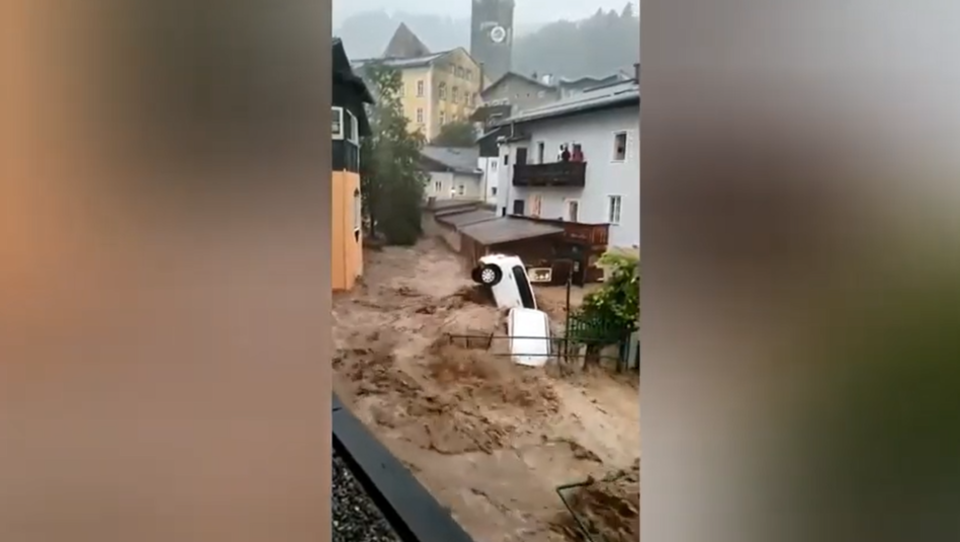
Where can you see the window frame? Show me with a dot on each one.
(568, 215)
(536, 205)
(610, 208)
(420, 88)
(626, 140)
(337, 120)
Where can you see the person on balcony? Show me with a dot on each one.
(565, 154)
(577, 154)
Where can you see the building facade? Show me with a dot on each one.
(453, 173)
(438, 88)
(604, 125)
(519, 92)
(350, 123)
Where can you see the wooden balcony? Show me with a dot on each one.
(562, 174)
(586, 234)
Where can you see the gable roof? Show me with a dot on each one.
(343, 76)
(454, 159)
(514, 75)
(405, 44)
(620, 94)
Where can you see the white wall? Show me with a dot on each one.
(604, 176)
(489, 181)
(445, 185)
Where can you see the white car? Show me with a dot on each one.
(529, 332)
(507, 278)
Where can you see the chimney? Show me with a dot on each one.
(636, 71)
(547, 79)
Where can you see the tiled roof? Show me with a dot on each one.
(623, 92)
(506, 229)
(461, 160)
(401, 63)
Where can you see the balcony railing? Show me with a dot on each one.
(569, 174)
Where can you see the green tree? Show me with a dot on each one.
(609, 314)
(459, 134)
(391, 180)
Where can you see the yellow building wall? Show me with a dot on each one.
(467, 82)
(444, 71)
(411, 102)
(346, 249)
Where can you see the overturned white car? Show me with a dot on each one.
(507, 279)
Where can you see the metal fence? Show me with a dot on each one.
(561, 348)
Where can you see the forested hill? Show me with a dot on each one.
(598, 45)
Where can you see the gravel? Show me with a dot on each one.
(355, 516)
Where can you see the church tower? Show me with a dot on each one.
(491, 36)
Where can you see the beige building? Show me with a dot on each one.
(438, 88)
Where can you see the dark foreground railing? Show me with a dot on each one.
(411, 510)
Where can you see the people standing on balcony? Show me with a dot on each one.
(560, 152)
(577, 154)
(565, 154)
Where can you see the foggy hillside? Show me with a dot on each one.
(598, 45)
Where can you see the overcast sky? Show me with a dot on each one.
(527, 11)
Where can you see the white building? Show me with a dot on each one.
(453, 173)
(490, 169)
(604, 124)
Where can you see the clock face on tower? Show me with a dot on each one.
(498, 34)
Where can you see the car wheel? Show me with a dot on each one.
(489, 275)
(475, 274)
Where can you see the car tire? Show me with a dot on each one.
(488, 275)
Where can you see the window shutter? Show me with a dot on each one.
(633, 147)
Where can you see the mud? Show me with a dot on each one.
(490, 439)
(608, 509)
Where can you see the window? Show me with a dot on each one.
(437, 186)
(461, 190)
(443, 118)
(420, 115)
(336, 130)
(518, 207)
(540, 150)
(613, 209)
(573, 210)
(536, 204)
(459, 71)
(493, 164)
(420, 88)
(523, 288)
(619, 146)
(506, 159)
(349, 134)
(493, 190)
(357, 213)
(456, 93)
(443, 91)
